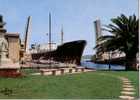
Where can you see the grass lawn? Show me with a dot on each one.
(89, 85)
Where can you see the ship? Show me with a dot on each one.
(69, 52)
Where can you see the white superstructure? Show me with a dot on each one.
(36, 48)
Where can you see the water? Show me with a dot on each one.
(101, 66)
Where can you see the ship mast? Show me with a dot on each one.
(62, 35)
(49, 31)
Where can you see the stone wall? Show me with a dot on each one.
(14, 47)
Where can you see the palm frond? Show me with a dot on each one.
(106, 37)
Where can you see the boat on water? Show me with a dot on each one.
(69, 52)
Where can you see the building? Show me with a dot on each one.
(13, 42)
(98, 31)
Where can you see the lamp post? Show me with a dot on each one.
(47, 34)
(109, 67)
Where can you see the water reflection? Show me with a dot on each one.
(101, 66)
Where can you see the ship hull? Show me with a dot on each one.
(70, 52)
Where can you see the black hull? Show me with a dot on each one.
(70, 52)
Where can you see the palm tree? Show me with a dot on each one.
(124, 38)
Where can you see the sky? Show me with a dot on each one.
(75, 16)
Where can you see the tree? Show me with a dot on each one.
(124, 37)
(93, 58)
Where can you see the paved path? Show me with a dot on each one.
(128, 89)
(127, 92)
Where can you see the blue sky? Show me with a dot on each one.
(76, 16)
